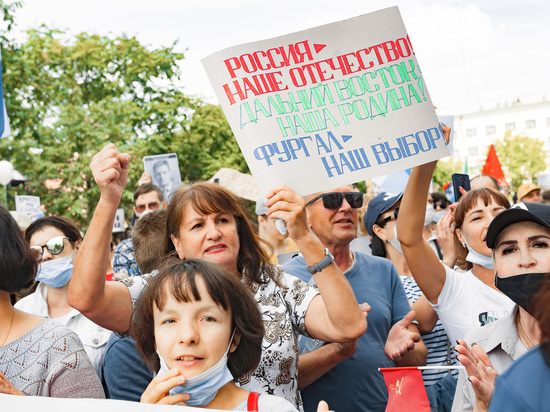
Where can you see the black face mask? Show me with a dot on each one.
(521, 288)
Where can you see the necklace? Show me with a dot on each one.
(9, 330)
(529, 343)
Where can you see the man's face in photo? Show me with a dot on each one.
(162, 175)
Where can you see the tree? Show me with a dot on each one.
(444, 169)
(67, 97)
(521, 158)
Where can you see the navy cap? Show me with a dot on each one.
(381, 203)
(520, 212)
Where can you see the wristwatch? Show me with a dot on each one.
(327, 260)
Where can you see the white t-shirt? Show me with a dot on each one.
(466, 303)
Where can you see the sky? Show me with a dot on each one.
(473, 54)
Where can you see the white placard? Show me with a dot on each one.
(45, 404)
(118, 225)
(165, 172)
(328, 106)
(29, 205)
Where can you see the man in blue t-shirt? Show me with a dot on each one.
(346, 375)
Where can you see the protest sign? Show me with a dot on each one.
(328, 106)
(165, 172)
(118, 225)
(30, 206)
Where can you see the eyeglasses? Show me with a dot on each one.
(150, 206)
(55, 246)
(384, 221)
(443, 204)
(334, 200)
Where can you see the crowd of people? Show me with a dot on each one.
(209, 308)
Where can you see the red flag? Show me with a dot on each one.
(492, 167)
(406, 391)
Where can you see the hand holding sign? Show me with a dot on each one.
(285, 204)
(110, 170)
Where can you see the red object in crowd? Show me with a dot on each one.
(492, 167)
(109, 276)
(406, 391)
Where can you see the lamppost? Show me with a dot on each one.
(6, 176)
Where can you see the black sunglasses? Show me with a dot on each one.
(55, 246)
(334, 200)
(443, 204)
(394, 215)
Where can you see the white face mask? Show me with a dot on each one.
(394, 242)
(429, 216)
(478, 258)
(140, 215)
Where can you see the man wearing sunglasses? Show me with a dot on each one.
(147, 198)
(327, 372)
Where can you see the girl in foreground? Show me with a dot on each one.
(201, 327)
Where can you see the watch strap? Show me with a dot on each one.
(319, 266)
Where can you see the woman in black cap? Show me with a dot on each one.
(520, 240)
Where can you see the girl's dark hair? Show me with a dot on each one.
(65, 225)
(207, 198)
(179, 277)
(464, 205)
(17, 264)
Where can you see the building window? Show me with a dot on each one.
(490, 129)
(510, 126)
(472, 151)
(530, 124)
(470, 132)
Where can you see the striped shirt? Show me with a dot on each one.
(436, 341)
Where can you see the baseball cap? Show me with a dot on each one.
(377, 206)
(520, 212)
(527, 188)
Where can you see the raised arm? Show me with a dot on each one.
(425, 267)
(334, 316)
(106, 303)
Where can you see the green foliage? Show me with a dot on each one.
(67, 97)
(444, 169)
(521, 158)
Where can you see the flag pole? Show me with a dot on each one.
(436, 367)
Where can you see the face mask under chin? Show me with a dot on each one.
(478, 258)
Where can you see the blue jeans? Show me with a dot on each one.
(441, 394)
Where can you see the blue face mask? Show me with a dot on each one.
(202, 389)
(478, 258)
(56, 272)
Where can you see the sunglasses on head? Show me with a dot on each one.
(334, 200)
(55, 246)
(394, 215)
(150, 206)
